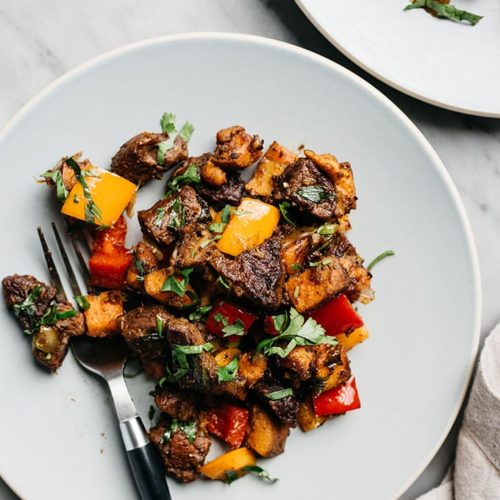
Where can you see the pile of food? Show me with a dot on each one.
(238, 300)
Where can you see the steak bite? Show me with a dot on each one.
(145, 261)
(229, 193)
(177, 214)
(137, 159)
(284, 408)
(183, 447)
(139, 328)
(176, 403)
(236, 149)
(194, 249)
(28, 298)
(203, 369)
(50, 342)
(342, 177)
(256, 274)
(359, 278)
(306, 187)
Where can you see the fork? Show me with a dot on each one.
(106, 358)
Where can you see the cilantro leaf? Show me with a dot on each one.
(190, 176)
(282, 393)
(186, 131)
(228, 373)
(237, 328)
(160, 215)
(177, 284)
(446, 11)
(199, 313)
(188, 428)
(167, 123)
(159, 325)
(314, 194)
(298, 332)
(285, 212)
(178, 215)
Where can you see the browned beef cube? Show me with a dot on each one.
(136, 160)
(194, 249)
(177, 214)
(28, 298)
(306, 187)
(176, 403)
(256, 274)
(140, 329)
(236, 149)
(284, 408)
(50, 342)
(183, 447)
(229, 193)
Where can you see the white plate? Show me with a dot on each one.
(58, 434)
(451, 65)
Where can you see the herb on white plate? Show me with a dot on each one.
(445, 11)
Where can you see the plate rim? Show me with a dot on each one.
(391, 83)
(437, 163)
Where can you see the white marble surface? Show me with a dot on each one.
(41, 40)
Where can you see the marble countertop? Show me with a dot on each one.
(42, 40)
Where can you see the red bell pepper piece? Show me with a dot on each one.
(110, 259)
(224, 316)
(229, 423)
(269, 326)
(337, 316)
(338, 400)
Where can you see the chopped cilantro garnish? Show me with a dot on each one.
(445, 11)
(382, 256)
(228, 373)
(177, 284)
(177, 216)
(223, 282)
(298, 332)
(190, 176)
(207, 242)
(314, 194)
(199, 313)
(322, 262)
(55, 176)
(188, 428)
(160, 215)
(237, 328)
(82, 302)
(167, 123)
(282, 393)
(159, 325)
(285, 212)
(327, 229)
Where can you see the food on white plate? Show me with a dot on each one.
(238, 301)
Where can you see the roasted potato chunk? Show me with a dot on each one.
(104, 313)
(306, 417)
(312, 287)
(252, 368)
(266, 435)
(236, 149)
(153, 284)
(272, 164)
(212, 174)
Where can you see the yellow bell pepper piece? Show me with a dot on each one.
(253, 222)
(356, 337)
(107, 192)
(231, 461)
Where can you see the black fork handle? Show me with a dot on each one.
(145, 461)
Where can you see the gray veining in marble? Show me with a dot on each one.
(40, 40)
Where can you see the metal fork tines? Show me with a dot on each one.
(106, 358)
